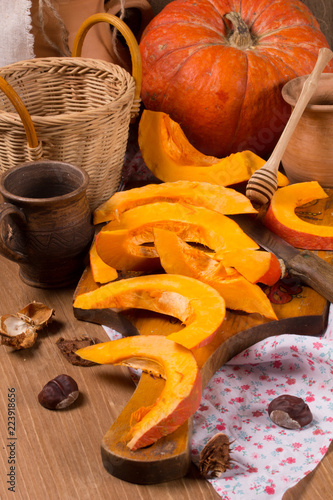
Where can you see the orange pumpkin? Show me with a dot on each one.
(257, 266)
(123, 244)
(197, 305)
(180, 396)
(217, 68)
(282, 219)
(101, 272)
(177, 257)
(170, 157)
(200, 194)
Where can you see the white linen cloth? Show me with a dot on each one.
(16, 39)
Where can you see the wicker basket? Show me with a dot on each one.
(72, 109)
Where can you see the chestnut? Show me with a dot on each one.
(59, 393)
(289, 411)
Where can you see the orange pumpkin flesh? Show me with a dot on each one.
(197, 305)
(120, 243)
(282, 219)
(217, 68)
(170, 157)
(177, 257)
(180, 396)
(257, 266)
(201, 194)
(102, 273)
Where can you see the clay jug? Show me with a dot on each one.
(309, 154)
(46, 224)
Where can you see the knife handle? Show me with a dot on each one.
(314, 272)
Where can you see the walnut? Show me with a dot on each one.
(215, 456)
(20, 330)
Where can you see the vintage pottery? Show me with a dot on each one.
(46, 222)
(309, 154)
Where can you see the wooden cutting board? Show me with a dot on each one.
(300, 310)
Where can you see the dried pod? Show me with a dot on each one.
(289, 411)
(20, 330)
(59, 393)
(215, 456)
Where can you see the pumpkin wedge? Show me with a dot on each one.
(170, 157)
(181, 395)
(201, 194)
(197, 305)
(121, 243)
(102, 273)
(177, 257)
(257, 266)
(282, 219)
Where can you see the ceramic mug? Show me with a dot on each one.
(45, 221)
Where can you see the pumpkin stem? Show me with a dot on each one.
(240, 36)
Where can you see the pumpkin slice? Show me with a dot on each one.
(282, 219)
(257, 266)
(177, 257)
(201, 194)
(170, 157)
(181, 395)
(121, 243)
(197, 305)
(102, 273)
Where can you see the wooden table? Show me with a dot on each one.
(57, 454)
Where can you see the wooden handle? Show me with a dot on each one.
(166, 459)
(127, 34)
(313, 271)
(22, 111)
(310, 85)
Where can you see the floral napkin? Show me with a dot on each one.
(268, 459)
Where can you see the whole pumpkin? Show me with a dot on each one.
(217, 68)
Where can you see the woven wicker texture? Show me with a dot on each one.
(81, 110)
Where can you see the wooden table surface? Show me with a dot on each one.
(57, 453)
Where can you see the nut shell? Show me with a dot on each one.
(59, 393)
(215, 456)
(290, 412)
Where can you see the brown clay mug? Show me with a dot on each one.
(45, 221)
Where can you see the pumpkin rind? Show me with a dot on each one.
(180, 396)
(282, 219)
(120, 243)
(170, 157)
(202, 194)
(177, 257)
(197, 305)
(227, 95)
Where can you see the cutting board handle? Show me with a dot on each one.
(165, 460)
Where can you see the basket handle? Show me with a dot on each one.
(127, 34)
(22, 111)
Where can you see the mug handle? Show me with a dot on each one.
(7, 209)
